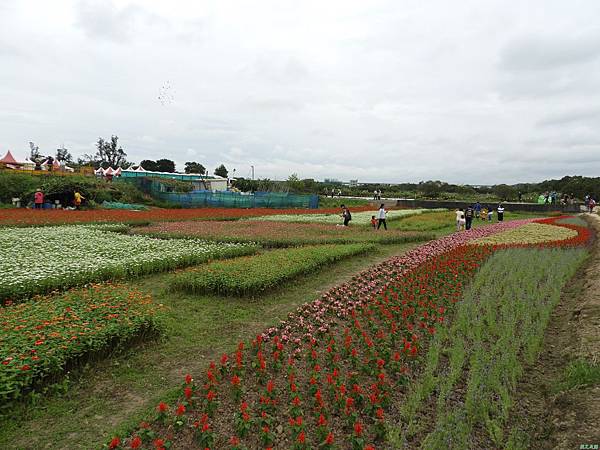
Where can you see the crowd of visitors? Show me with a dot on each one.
(464, 217)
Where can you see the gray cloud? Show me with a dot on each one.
(539, 53)
(469, 93)
(572, 117)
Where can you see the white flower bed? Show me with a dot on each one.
(359, 218)
(38, 259)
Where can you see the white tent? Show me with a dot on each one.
(28, 164)
(140, 169)
(99, 171)
(117, 172)
(109, 171)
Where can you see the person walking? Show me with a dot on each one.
(77, 198)
(460, 219)
(469, 217)
(38, 199)
(591, 204)
(381, 217)
(490, 213)
(477, 209)
(500, 212)
(346, 215)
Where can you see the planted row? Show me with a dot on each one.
(28, 217)
(277, 234)
(331, 387)
(358, 218)
(38, 260)
(41, 338)
(493, 335)
(532, 233)
(252, 275)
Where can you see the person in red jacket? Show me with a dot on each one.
(38, 199)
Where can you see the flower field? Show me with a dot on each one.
(328, 375)
(432, 221)
(277, 234)
(358, 218)
(39, 259)
(390, 358)
(532, 233)
(43, 337)
(252, 275)
(28, 217)
(484, 358)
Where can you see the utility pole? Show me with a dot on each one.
(252, 167)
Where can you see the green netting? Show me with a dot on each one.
(118, 205)
(198, 199)
(224, 199)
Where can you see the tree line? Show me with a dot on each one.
(110, 154)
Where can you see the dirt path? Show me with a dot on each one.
(545, 416)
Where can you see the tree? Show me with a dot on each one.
(110, 154)
(63, 155)
(431, 189)
(148, 164)
(221, 171)
(34, 155)
(87, 160)
(194, 167)
(294, 184)
(165, 165)
(504, 192)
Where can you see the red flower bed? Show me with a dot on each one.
(53, 216)
(331, 386)
(584, 235)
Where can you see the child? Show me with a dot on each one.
(483, 214)
(373, 222)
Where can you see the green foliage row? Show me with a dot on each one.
(256, 274)
(498, 328)
(48, 335)
(382, 238)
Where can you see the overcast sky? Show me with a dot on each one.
(476, 92)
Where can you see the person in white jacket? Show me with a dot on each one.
(381, 217)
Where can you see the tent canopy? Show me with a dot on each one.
(8, 159)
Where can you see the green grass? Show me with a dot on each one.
(115, 394)
(445, 222)
(580, 373)
(328, 202)
(256, 274)
(498, 327)
(573, 221)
